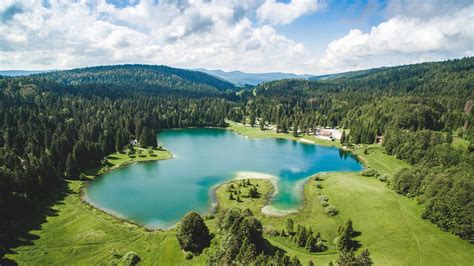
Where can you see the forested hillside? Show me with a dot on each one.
(52, 131)
(415, 109)
(140, 77)
(56, 125)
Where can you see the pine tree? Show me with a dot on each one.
(364, 258)
(253, 193)
(343, 137)
(289, 225)
(347, 258)
(72, 170)
(295, 130)
(349, 228)
(345, 241)
(310, 244)
(295, 261)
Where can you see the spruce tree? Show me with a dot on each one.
(364, 258)
(72, 170)
(289, 226)
(343, 137)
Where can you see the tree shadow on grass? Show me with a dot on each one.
(271, 249)
(356, 233)
(16, 229)
(355, 243)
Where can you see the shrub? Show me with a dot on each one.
(323, 200)
(271, 231)
(188, 255)
(131, 258)
(383, 178)
(369, 172)
(331, 210)
(115, 253)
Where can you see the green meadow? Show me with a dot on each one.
(390, 225)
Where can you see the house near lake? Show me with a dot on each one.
(328, 133)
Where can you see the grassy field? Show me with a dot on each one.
(390, 224)
(255, 132)
(82, 235)
(120, 159)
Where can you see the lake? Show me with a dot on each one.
(157, 194)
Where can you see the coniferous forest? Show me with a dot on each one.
(56, 125)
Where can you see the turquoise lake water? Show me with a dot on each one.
(158, 194)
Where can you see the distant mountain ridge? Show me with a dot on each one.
(241, 78)
(219, 79)
(15, 73)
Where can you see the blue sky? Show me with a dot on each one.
(334, 21)
(298, 36)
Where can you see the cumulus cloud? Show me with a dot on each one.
(403, 39)
(284, 13)
(199, 33)
(222, 34)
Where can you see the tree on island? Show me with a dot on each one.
(193, 234)
(253, 193)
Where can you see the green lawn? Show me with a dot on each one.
(377, 159)
(255, 132)
(121, 159)
(83, 235)
(390, 224)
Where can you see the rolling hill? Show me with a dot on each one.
(140, 76)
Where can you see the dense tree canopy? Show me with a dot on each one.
(56, 125)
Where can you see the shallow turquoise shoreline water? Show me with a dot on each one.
(157, 194)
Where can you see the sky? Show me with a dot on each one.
(296, 36)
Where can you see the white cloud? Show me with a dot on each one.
(401, 40)
(193, 33)
(284, 13)
(221, 34)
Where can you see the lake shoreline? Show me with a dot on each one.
(266, 210)
(101, 172)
